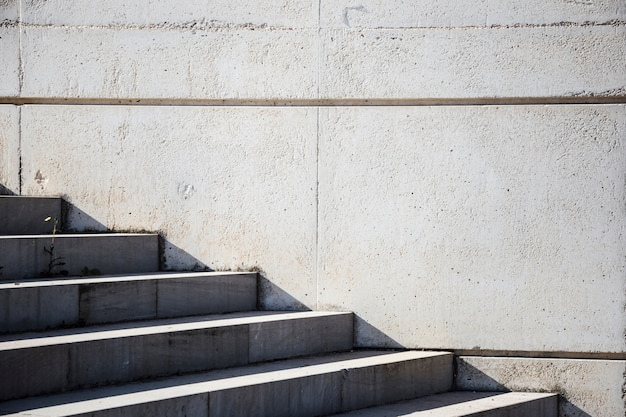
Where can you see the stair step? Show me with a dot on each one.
(468, 404)
(23, 256)
(311, 386)
(68, 359)
(25, 215)
(29, 305)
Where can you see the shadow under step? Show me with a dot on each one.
(35, 305)
(303, 387)
(61, 360)
(110, 253)
(25, 215)
(468, 404)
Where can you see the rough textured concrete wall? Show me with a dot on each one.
(228, 187)
(492, 227)
(452, 173)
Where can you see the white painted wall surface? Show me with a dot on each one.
(491, 222)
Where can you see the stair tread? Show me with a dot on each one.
(73, 235)
(93, 400)
(148, 327)
(48, 282)
(451, 404)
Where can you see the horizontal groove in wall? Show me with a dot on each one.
(318, 102)
(541, 355)
(217, 26)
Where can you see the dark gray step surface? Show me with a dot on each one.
(25, 215)
(29, 305)
(303, 387)
(61, 360)
(120, 253)
(468, 404)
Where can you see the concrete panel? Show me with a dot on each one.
(188, 14)
(588, 387)
(26, 215)
(26, 256)
(23, 309)
(425, 13)
(9, 149)
(118, 301)
(10, 53)
(476, 227)
(208, 294)
(473, 63)
(159, 63)
(236, 185)
(299, 336)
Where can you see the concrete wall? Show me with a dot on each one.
(453, 173)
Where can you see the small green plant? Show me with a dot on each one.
(90, 271)
(54, 260)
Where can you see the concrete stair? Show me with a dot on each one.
(474, 404)
(47, 303)
(139, 342)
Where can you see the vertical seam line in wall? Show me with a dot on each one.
(317, 158)
(317, 211)
(20, 58)
(20, 180)
(319, 46)
(20, 77)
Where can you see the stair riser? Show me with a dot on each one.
(26, 215)
(25, 257)
(308, 396)
(546, 407)
(190, 406)
(40, 308)
(23, 309)
(335, 392)
(48, 369)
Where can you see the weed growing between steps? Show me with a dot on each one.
(54, 260)
(87, 272)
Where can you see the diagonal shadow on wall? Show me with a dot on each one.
(5, 191)
(467, 377)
